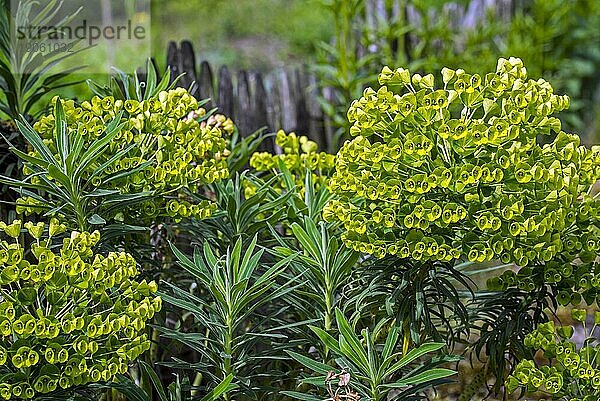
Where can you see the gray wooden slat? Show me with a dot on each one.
(506, 9)
(242, 106)
(316, 116)
(188, 66)
(259, 102)
(288, 114)
(380, 12)
(173, 61)
(273, 103)
(302, 114)
(329, 129)
(475, 12)
(225, 89)
(206, 84)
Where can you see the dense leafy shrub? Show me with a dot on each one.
(455, 172)
(437, 180)
(68, 316)
(155, 149)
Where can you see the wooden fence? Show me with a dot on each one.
(282, 99)
(287, 98)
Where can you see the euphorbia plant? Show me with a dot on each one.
(300, 156)
(125, 161)
(574, 371)
(443, 174)
(455, 172)
(68, 315)
(228, 309)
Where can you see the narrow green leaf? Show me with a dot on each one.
(150, 80)
(94, 150)
(359, 355)
(34, 161)
(301, 396)
(414, 354)
(310, 363)
(34, 139)
(327, 339)
(222, 388)
(61, 134)
(151, 374)
(430, 375)
(59, 176)
(309, 244)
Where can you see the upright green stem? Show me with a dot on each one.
(228, 349)
(328, 308)
(199, 375)
(153, 354)
(196, 383)
(374, 392)
(80, 215)
(406, 338)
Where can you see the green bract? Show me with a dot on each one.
(67, 316)
(165, 147)
(299, 155)
(454, 172)
(575, 371)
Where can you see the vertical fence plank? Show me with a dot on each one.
(206, 87)
(288, 114)
(242, 107)
(273, 103)
(188, 65)
(259, 104)
(316, 128)
(173, 61)
(302, 115)
(225, 91)
(329, 128)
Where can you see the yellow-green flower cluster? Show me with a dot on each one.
(185, 148)
(67, 316)
(28, 205)
(570, 282)
(454, 172)
(574, 374)
(299, 155)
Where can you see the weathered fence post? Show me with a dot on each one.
(173, 61)
(242, 112)
(187, 65)
(206, 88)
(225, 89)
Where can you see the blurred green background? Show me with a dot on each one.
(242, 34)
(257, 34)
(558, 40)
